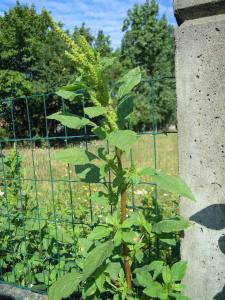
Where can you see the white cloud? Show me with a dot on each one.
(97, 14)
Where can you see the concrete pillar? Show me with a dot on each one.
(200, 75)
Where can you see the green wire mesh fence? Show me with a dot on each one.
(44, 208)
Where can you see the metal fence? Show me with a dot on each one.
(44, 208)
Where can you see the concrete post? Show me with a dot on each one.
(200, 75)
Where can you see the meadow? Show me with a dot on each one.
(53, 184)
(46, 211)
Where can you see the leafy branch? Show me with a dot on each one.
(112, 248)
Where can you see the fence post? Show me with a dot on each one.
(200, 80)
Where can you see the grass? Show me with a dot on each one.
(53, 184)
(54, 187)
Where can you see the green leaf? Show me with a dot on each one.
(66, 95)
(168, 238)
(166, 274)
(130, 80)
(171, 242)
(171, 225)
(100, 132)
(88, 173)
(157, 267)
(95, 111)
(96, 258)
(89, 289)
(100, 281)
(144, 278)
(179, 296)
(84, 245)
(156, 290)
(169, 183)
(133, 219)
(178, 287)
(122, 139)
(124, 110)
(113, 269)
(74, 156)
(73, 87)
(70, 120)
(107, 62)
(130, 237)
(178, 270)
(99, 233)
(65, 286)
(118, 238)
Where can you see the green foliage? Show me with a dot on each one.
(148, 42)
(70, 120)
(74, 156)
(130, 80)
(123, 239)
(168, 183)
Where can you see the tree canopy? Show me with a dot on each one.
(32, 59)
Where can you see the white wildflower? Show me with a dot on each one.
(1, 194)
(141, 192)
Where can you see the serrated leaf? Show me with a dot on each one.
(169, 183)
(99, 233)
(130, 80)
(96, 258)
(95, 111)
(171, 225)
(71, 121)
(178, 270)
(65, 286)
(74, 156)
(122, 139)
(88, 173)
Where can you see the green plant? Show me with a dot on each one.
(114, 260)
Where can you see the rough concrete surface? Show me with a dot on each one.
(8, 292)
(200, 72)
(192, 9)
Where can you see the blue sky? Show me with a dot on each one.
(97, 14)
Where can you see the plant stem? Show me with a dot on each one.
(125, 251)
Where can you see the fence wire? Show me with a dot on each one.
(44, 208)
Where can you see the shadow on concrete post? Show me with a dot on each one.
(200, 81)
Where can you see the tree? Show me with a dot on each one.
(85, 31)
(103, 44)
(148, 42)
(31, 62)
